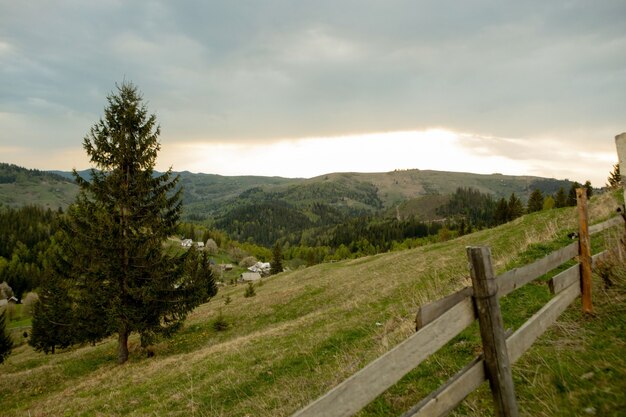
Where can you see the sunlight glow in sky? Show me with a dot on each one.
(435, 149)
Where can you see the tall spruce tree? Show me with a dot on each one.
(53, 319)
(560, 199)
(6, 344)
(615, 177)
(501, 214)
(277, 259)
(535, 201)
(118, 224)
(571, 196)
(516, 208)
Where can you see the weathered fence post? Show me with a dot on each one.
(498, 367)
(620, 143)
(584, 250)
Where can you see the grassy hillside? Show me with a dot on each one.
(307, 330)
(20, 187)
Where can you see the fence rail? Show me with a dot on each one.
(439, 322)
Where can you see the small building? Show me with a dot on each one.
(249, 277)
(260, 267)
(10, 300)
(186, 243)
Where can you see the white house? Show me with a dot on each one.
(260, 267)
(186, 243)
(249, 277)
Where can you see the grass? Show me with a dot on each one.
(306, 331)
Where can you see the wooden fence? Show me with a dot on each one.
(440, 321)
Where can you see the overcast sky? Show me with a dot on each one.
(302, 88)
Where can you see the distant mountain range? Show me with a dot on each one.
(235, 203)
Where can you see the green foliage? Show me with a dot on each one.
(6, 344)
(516, 208)
(123, 281)
(220, 324)
(535, 202)
(25, 238)
(560, 199)
(53, 319)
(571, 196)
(250, 291)
(589, 189)
(471, 205)
(615, 177)
(548, 203)
(277, 259)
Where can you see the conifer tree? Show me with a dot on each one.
(589, 189)
(615, 177)
(516, 208)
(502, 211)
(560, 199)
(6, 344)
(535, 201)
(571, 196)
(118, 224)
(277, 259)
(53, 319)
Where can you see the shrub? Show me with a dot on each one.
(248, 261)
(28, 304)
(220, 323)
(250, 292)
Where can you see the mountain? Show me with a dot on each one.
(20, 186)
(265, 209)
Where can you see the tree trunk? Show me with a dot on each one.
(122, 345)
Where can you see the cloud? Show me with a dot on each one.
(260, 72)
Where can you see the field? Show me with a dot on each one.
(307, 330)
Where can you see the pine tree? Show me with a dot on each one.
(615, 177)
(589, 189)
(516, 208)
(502, 211)
(118, 223)
(571, 196)
(277, 259)
(535, 201)
(6, 344)
(560, 199)
(53, 319)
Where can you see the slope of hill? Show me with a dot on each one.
(265, 209)
(20, 187)
(307, 330)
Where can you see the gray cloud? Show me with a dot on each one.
(261, 70)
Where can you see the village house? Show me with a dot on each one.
(249, 277)
(262, 268)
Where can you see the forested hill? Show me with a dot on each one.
(20, 186)
(265, 209)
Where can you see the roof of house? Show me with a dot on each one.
(250, 276)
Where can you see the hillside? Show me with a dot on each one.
(307, 330)
(20, 187)
(301, 211)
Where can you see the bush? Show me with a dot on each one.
(28, 304)
(220, 324)
(250, 292)
(211, 247)
(248, 261)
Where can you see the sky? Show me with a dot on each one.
(303, 88)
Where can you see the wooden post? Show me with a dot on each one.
(620, 143)
(498, 367)
(584, 250)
